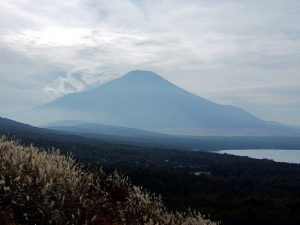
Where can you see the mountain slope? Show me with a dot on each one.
(144, 100)
(93, 128)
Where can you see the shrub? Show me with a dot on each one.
(44, 187)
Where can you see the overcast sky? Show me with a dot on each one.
(240, 52)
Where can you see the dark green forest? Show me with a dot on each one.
(231, 189)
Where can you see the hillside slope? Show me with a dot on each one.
(39, 187)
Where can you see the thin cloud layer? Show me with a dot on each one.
(216, 49)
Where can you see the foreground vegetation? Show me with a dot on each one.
(39, 187)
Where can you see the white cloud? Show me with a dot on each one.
(202, 45)
(75, 81)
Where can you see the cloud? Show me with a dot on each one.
(75, 81)
(201, 45)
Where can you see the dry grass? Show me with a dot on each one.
(44, 187)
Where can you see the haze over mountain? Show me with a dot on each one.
(106, 136)
(145, 100)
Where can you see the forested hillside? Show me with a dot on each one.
(39, 187)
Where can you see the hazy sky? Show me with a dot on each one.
(240, 52)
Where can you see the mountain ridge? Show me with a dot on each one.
(118, 137)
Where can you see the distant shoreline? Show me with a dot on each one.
(277, 155)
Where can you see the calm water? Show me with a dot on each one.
(290, 156)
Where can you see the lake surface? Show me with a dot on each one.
(290, 156)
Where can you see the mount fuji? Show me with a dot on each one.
(145, 100)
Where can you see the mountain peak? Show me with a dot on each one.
(142, 75)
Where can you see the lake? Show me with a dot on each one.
(290, 156)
